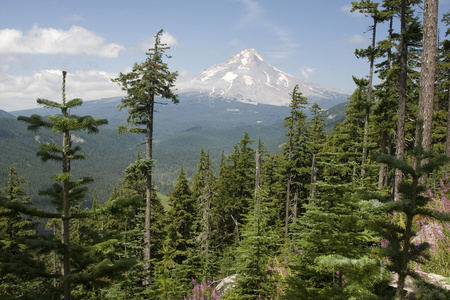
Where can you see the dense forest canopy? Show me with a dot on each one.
(349, 214)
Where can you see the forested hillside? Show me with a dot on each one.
(288, 211)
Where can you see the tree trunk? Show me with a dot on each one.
(447, 141)
(312, 187)
(427, 73)
(288, 200)
(369, 100)
(295, 207)
(401, 112)
(65, 230)
(383, 175)
(404, 259)
(148, 191)
(288, 189)
(257, 176)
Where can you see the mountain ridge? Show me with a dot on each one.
(247, 77)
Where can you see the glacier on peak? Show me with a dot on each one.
(247, 77)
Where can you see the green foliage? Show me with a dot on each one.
(22, 270)
(333, 254)
(182, 214)
(234, 187)
(147, 80)
(401, 250)
(254, 253)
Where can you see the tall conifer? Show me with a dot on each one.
(67, 187)
(147, 80)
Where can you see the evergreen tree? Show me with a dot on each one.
(14, 225)
(346, 138)
(150, 79)
(369, 8)
(182, 215)
(180, 234)
(203, 194)
(297, 155)
(64, 124)
(254, 254)
(234, 189)
(22, 269)
(331, 257)
(401, 250)
(317, 140)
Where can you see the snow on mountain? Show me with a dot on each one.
(247, 77)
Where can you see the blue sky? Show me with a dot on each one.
(95, 40)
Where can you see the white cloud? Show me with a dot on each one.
(169, 39)
(21, 92)
(356, 39)
(306, 72)
(149, 42)
(253, 12)
(75, 41)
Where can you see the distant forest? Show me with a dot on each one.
(360, 212)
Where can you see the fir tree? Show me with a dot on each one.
(202, 192)
(66, 186)
(22, 269)
(331, 253)
(317, 140)
(254, 254)
(150, 79)
(297, 156)
(182, 215)
(234, 189)
(401, 250)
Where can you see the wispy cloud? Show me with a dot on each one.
(356, 39)
(254, 15)
(75, 41)
(307, 72)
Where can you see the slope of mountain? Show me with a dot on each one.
(192, 111)
(4, 114)
(248, 78)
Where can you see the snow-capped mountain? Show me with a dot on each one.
(247, 77)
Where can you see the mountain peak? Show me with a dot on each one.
(247, 77)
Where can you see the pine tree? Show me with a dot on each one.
(234, 189)
(203, 193)
(64, 124)
(369, 8)
(317, 140)
(150, 79)
(182, 215)
(401, 250)
(22, 269)
(254, 253)
(297, 156)
(331, 252)
(385, 109)
(346, 138)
